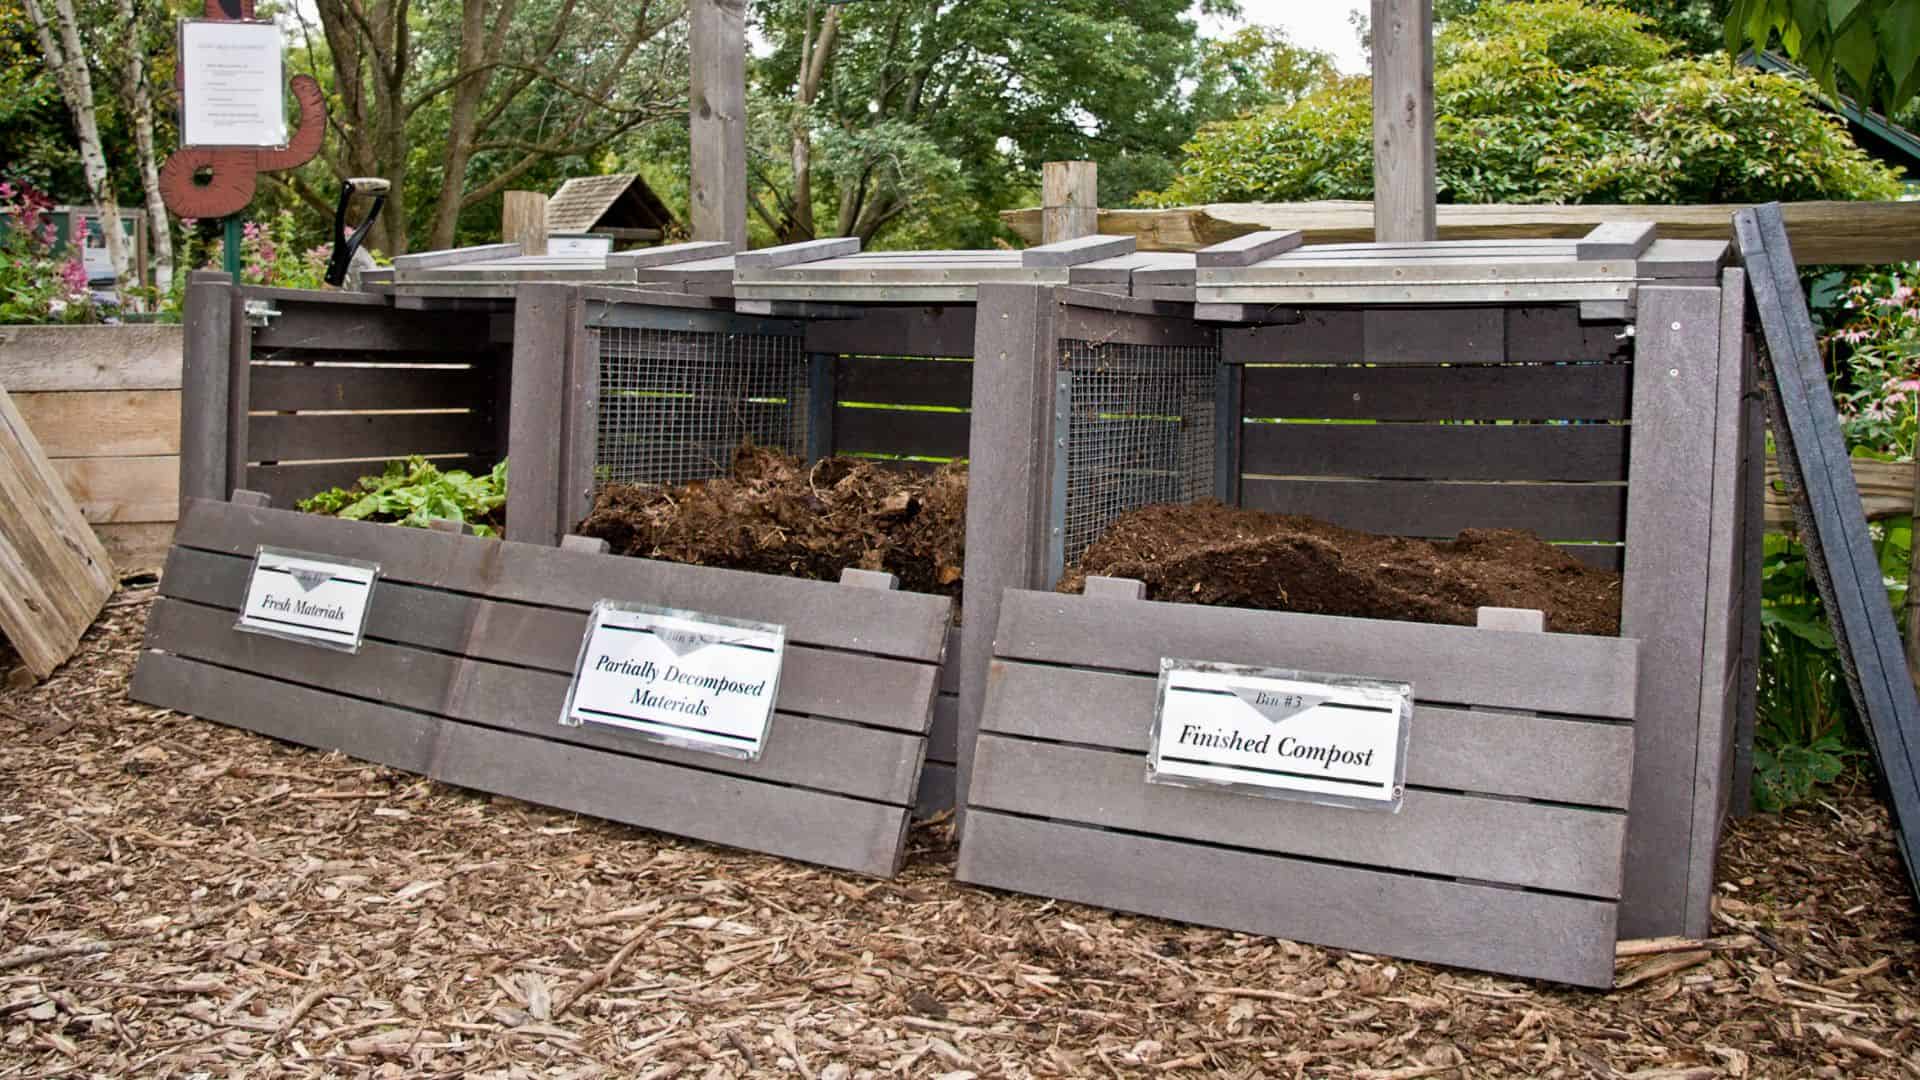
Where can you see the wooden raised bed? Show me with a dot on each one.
(471, 644)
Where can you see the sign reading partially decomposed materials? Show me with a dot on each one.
(1281, 734)
(301, 596)
(231, 84)
(680, 677)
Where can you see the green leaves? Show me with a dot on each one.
(415, 492)
(1874, 44)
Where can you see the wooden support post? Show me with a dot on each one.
(1403, 148)
(544, 318)
(717, 111)
(208, 316)
(1069, 200)
(523, 221)
(1913, 597)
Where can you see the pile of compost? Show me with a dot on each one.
(1208, 553)
(775, 514)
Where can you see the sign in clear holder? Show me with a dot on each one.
(310, 598)
(232, 84)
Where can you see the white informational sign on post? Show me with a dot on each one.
(680, 677)
(232, 89)
(314, 599)
(1281, 734)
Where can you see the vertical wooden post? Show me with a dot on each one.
(204, 374)
(544, 317)
(1403, 154)
(717, 112)
(1069, 200)
(523, 221)
(1913, 593)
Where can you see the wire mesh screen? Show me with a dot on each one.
(675, 404)
(1139, 428)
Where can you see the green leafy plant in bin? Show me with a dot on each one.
(415, 492)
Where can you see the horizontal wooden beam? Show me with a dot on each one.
(1886, 490)
(1852, 233)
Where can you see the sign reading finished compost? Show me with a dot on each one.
(679, 677)
(314, 599)
(1281, 734)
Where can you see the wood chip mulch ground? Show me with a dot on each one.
(179, 899)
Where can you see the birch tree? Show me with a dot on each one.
(140, 101)
(67, 60)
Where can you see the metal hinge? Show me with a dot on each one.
(261, 313)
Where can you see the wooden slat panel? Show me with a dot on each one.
(861, 762)
(313, 438)
(1592, 676)
(905, 331)
(904, 381)
(286, 485)
(900, 624)
(138, 546)
(123, 490)
(56, 358)
(1511, 931)
(289, 388)
(1442, 509)
(1535, 845)
(819, 682)
(890, 431)
(1467, 392)
(353, 327)
(1579, 452)
(108, 423)
(1529, 757)
(850, 834)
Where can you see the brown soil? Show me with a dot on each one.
(1208, 553)
(183, 899)
(777, 515)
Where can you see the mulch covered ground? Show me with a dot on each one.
(180, 899)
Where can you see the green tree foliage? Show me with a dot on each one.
(1253, 68)
(1561, 101)
(1693, 26)
(1868, 49)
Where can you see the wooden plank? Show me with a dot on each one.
(1807, 429)
(1075, 251)
(717, 115)
(668, 254)
(1249, 249)
(429, 260)
(751, 263)
(1615, 240)
(1578, 452)
(312, 324)
(1684, 259)
(294, 388)
(136, 547)
(899, 624)
(894, 431)
(945, 331)
(1528, 757)
(286, 485)
(239, 392)
(545, 319)
(316, 437)
(858, 688)
(943, 737)
(1467, 392)
(103, 423)
(849, 834)
(1663, 598)
(1534, 935)
(1443, 508)
(939, 783)
(54, 575)
(208, 321)
(1507, 841)
(37, 359)
(1069, 200)
(580, 414)
(1593, 676)
(950, 668)
(123, 490)
(1403, 136)
(824, 755)
(894, 380)
(1459, 335)
(1851, 233)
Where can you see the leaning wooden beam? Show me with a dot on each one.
(428, 260)
(1080, 249)
(805, 251)
(1849, 233)
(668, 255)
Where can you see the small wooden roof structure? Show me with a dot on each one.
(618, 203)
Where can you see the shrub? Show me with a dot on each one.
(37, 285)
(415, 492)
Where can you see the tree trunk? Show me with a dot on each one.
(815, 55)
(142, 102)
(463, 114)
(68, 62)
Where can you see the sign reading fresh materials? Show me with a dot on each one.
(679, 677)
(301, 596)
(1281, 734)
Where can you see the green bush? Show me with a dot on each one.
(415, 492)
(1554, 101)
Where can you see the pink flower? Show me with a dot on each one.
(251, 230)
(1896, 397)
(1911, 386)
(6, 190)
(74, 276)
(80, 230)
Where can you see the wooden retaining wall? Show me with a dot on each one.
(104, 401)
(1505, 856)
(470, 648)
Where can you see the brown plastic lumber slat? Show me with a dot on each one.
(293, 388)
(1512, 931)
(1582, 452)
(820, 682)
(668, 254)
(1530, 757)
(1247, 250)
(847, 759)
(937, 331)
(784, 255)
(299, 437)
(1508, 841)
(1465, 392)
(1833, 525)
(1441, 508)
(1592, 676)
(849, 834)
(1080, 249)
(895, 431)
(905, 380)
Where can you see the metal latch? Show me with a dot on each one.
(261, 313)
